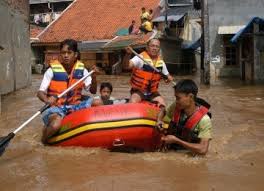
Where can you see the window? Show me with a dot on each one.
(230, 51)
(197, 4)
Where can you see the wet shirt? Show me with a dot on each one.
(203, 128)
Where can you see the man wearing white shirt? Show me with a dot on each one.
(146, 77)
(62, 74)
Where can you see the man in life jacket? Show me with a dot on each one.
(145, 80)
(190, 126)
(61, 75)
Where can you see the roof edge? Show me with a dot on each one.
(38, 36)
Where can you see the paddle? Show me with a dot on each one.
(4, 141)
(134, 52)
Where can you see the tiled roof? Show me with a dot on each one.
(87, 20)
(35, 31)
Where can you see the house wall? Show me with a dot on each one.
(228, 13)
(15, 70)
(259, 58)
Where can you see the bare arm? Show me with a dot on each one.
(44, 98)
(198, 148)
(131, 64)
(161, 114)
(93, 87)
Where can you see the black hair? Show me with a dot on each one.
(72, 44)
(106, 85)
(186, 86)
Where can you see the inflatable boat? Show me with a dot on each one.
(130, 125)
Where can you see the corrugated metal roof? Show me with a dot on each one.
(92, 46)
(170, 18)
(120, 42)
(47, 1)
(247, 28)
(229, 29)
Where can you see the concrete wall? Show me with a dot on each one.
(15, 70)
(228, 13)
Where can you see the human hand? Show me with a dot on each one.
(51, 100)
(95, 69)
(169, 79)
(159, 125)
(169, 139)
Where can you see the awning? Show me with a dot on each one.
(169, 18)
(120, 42)
(247, 28)
(91, 46)
(229, 29)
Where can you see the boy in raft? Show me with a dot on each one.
(60, 76)
(105, 97)
(190, 127)
(106, 89)
(145, 80)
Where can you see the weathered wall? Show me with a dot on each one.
(228, 13)
(259, 66)
(15, 70)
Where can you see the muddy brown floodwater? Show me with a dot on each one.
(235, 160)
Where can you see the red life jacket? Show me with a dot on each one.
(146, 79)
(61, 81)
(185, 131)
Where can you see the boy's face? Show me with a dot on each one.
(105, 93)
(68, 57)
(183, 100)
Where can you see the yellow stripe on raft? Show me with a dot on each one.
(104, 125)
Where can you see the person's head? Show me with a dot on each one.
(153, 47)
(185, 92)
(143, 9)
(150, 11)
(133, 22)
(106, 90)
(68, 52)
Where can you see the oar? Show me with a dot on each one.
(154, 68)
(4, 141)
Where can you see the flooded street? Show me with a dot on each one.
(235, 160)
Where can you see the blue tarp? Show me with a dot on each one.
(122, 32)
(247, 28)
(192, 46)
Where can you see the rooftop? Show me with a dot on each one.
(95, 19)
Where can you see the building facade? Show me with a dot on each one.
(241, 59)
(15, 70)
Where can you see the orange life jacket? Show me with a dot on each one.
(185, 130)
(146, 79)
(61, 81)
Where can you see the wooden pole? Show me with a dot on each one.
(205, 45)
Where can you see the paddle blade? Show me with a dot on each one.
(4, 141)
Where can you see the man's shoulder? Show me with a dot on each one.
(205, 122)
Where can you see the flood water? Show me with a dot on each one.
(235, 160)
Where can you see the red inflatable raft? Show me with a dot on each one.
(112, 126)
